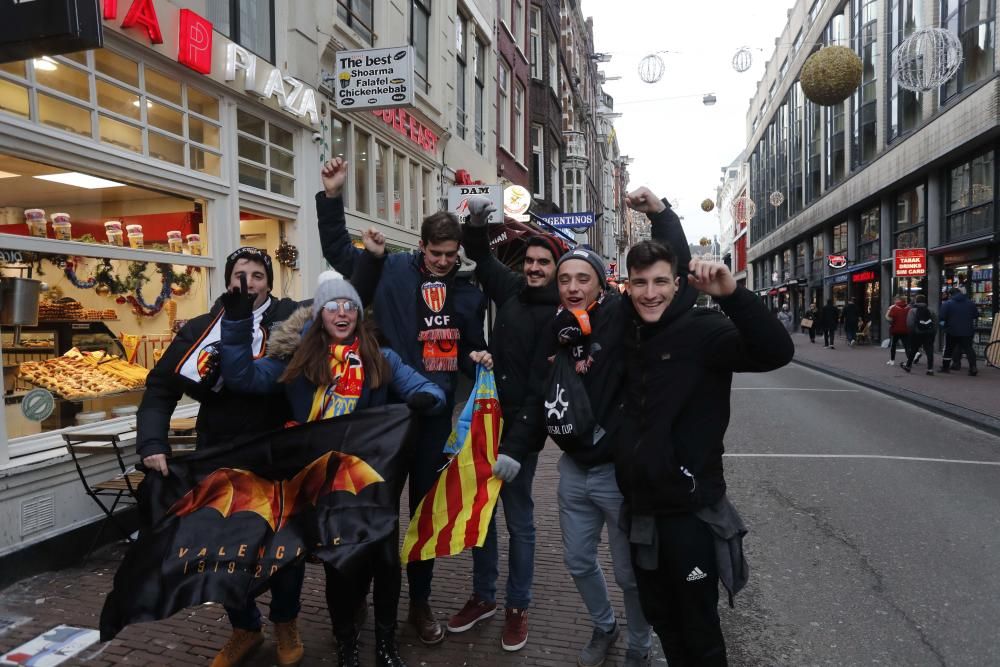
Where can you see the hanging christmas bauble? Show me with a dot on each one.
(743, 59)
(743, 209)
(776, 199)
(707, 205)
(830, 75)
(927, 59)
(102, 290)
(651, 68)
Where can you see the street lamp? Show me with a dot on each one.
(708, 99)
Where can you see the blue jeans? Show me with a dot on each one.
(286, 591)
(426, 461)
(519, 512)
(589, 499)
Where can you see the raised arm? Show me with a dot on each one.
(333, 235)
(498, 281)
(369, 265)
(666, 227)
(240, 371)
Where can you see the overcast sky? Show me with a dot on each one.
(679, 146)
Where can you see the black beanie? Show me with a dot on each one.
(592, 258)
(254, 255)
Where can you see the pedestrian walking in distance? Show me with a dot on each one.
(786, 318)
(958, 317)
(851, 319)
(828, 319)
(896, 317)
(813, 316)
(920, 321)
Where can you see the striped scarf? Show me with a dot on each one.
(341, 396)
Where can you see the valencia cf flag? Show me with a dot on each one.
(229, 516)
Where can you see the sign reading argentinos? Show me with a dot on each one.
(374, 78)
(573, 221)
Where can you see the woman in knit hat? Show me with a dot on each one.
(327, 359)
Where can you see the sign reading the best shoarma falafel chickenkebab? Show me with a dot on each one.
(374, 78)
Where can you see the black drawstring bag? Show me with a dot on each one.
(569, 419)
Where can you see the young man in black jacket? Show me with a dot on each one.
(191, 365)
(588, 496)
(679, 363)
(526, 303)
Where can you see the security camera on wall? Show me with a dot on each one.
(317, 137)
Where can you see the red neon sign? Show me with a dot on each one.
(863, 277)
(194, 47)
(837, 261)
(142, 13)
(408, 126)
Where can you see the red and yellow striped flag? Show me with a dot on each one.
(455, 513)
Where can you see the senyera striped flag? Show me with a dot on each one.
(455, 514)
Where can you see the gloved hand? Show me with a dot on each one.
(238, 303)
(421, 401)
(480, 208)
(506, 468)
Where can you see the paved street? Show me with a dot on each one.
(861, 552)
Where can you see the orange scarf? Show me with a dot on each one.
(341, 396)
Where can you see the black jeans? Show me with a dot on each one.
(425, 466)
(680, 598)
(962, 343)
(918, 342)
(828, 336)
(345, 594)
(902, 340)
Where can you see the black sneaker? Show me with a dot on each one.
(596, 651)
(905, 367)
(930, 372)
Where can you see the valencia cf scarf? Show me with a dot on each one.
(341, 396)
(202, 363)
(437, 327)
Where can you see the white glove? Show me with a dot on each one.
(480, 208)
(506, 468)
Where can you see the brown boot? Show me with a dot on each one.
(290, 649)
(240, 645)
(429, 631)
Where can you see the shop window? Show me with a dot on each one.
(381, 180)
(138, 108)
(266, 154)
(868, 235)
(361, 189)
(427, 193)
(800, 260)
(970, 199)
(339, 131)
(359, 16)
(974, 21)
(98, 303)
(786, 265)
(420, 18)
(416, 214)
(398, 169)
(249, 23)
(461, 29)
(911, 220)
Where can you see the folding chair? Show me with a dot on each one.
(108, 493)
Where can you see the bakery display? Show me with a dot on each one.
(78, 375)
(67, 308)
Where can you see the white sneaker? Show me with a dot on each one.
(916, 357)
(851, 343)
(890, 363)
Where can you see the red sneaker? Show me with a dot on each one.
(475, 610)
(515, 630)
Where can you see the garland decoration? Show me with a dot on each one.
(106, 283)
(287, 254)
(136, 300)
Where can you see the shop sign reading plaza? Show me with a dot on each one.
(188, 38)
(910, 262)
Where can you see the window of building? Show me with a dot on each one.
(974, 21)
(798, 42)
(461, 31)
(970, 199)
(835, 35)
(868, 234)
(786, 265)
(535, 43)
(840, 239)
(358, 15)
(503, 105)
(416, 214)
(910, 219)
(517, 23)
(538, 161)
(267, 154)
(137, 108)
(249, 23)
(795, 187)
(480, 101)
(504, 12)
(554, 172)
(819, 256)
(814, 157)
(781, 164)
(382, 202)
(864, 138)
(361, 162)
(814, 10)
(420, 19)
(905, 109)
(553, 67)
(398, 169)
(517, 131)
(574, 193)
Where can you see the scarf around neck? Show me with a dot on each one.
(340, 397)
(202, 364)
(436, 324)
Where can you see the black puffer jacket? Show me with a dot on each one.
(603, 382)
(522, 320)
(678, 378)
(224, 414)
